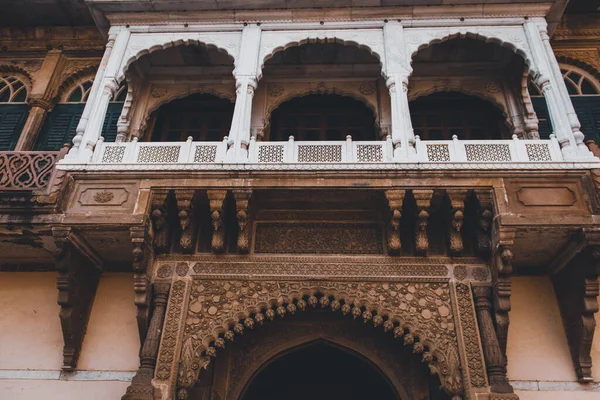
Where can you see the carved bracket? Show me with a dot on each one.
(185, 212)
(423, 199)
(142, 257)
(242, 201)
(216, 199)
(484, 221)
(160, 221)
(79, 271)
(395, 200)
(577, 291)
(457, 200)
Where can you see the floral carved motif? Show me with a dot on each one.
(418, 313)
(460, 272)
(158, 91)
(275, 90)
(103, 196)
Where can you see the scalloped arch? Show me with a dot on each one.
(165, 44)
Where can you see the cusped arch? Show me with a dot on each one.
(141, 45)
(273, 42)
(512, 38)
(170, 97)
(354, 347)
(20, 72)
(418, 313)
(72, 81)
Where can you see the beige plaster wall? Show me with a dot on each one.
(531, 395)
(112, 340)
(30, 333)
(61, 390)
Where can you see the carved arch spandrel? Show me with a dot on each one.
(275, 41)
(419, 313)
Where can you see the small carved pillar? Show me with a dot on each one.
(503, 256)
(577, 291)
(484, 222)
(395, 200)
(216, 199)
(160, 222)
(78, 275)
(495, 362)
(185, 208)
(457, 201)
(242, 200)
(423, 199)
(141, 386)
(142, 257)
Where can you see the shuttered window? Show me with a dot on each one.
(12, 119)
(60, 127)
(588, 112)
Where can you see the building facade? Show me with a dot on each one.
(268, 200)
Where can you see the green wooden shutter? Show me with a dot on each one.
(541, 110)
(588, 112)
(109, 128)
(60, 127)
(12, 119)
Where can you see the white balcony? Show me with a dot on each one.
(331, 155)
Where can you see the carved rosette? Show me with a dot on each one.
(420, 314)
(242, 201)
(216, 199)
(423, 199)
(395, 200)
(457, 200)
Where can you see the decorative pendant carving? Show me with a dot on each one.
(423, 199)
(78, 270)
(457, 201)
(242, 200)
(142, 257)
(185, 209)
(216, 199)
(484, 221)
(160, 221)
(395, 200)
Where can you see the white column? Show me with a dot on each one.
(582, 149)
(246, 81)
(549, 84)
(397, 69)
(105, 85)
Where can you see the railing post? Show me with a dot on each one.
(252, 150)
(555, 148)
(349, 150)
(130, 149)
(388, 149)
(460, 154)
(289, 151)
(185, 150)
(98, 150)
(520, 154)
(420, 149)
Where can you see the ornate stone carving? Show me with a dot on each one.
(480, 274)
(158, 91)
(78, 274)
(141, 386)
(577, 291)
(216, 199)
(484, 221)
(242, 200)
(160, 220)
(423, 199)
(367, 88)
(142, 257)
(457, 201)
(275, 90)
(185, 209)
(319, 238)
(103, 196)
(460, 272)
(420, 314)
(395, 200)
(495, 362)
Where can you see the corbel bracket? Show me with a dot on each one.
(160, 221)
(457, 201)
(216, 199)
(485, 216)
(141, 240)
(395, 200)
(242, 205)
(185, 212)
(423, 199)
(79, 269)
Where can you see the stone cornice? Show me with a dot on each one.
(85, 38)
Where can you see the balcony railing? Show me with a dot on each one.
(27, 170)
(348, 154)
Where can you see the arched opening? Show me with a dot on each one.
(442, 115)
(184, 74)
(320, 371)
(462, 72)
(323, 117)
(204, 117)
(13, 109)
(321, 90)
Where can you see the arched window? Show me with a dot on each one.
(13, 110)
(584, 91)
(61, 124)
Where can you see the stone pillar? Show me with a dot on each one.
(494, 359)
(246, 81)
(397, 69)
(141, 385)
(105, 84)
(569, 137)
(40, 99)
